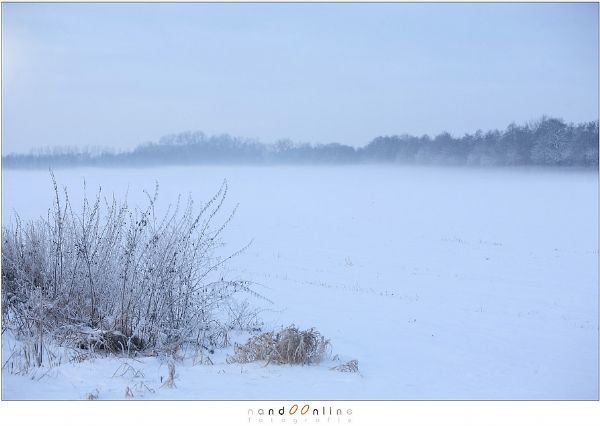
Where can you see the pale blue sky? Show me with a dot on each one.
(123, 74)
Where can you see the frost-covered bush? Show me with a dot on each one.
(119, 279)
(288, 346)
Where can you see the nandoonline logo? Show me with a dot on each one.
(300, 413)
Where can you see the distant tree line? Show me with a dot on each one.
(545, 142)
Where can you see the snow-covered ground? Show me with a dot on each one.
(442, 283)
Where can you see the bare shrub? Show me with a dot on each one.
(288, 346)
(119, 279)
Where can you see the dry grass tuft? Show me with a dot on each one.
(349, 367)
(170, 382)
(289, 346)
(92, 396)
(128, 392)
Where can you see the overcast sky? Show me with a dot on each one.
(122, 74)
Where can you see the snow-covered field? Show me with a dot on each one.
(442, 283)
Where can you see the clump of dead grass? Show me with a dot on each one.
(348, 367)
(170, 381)
(288, 346)
(92, 396)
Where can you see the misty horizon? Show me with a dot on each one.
(544, 142)
(99, 148)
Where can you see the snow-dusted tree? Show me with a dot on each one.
(551, 142)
